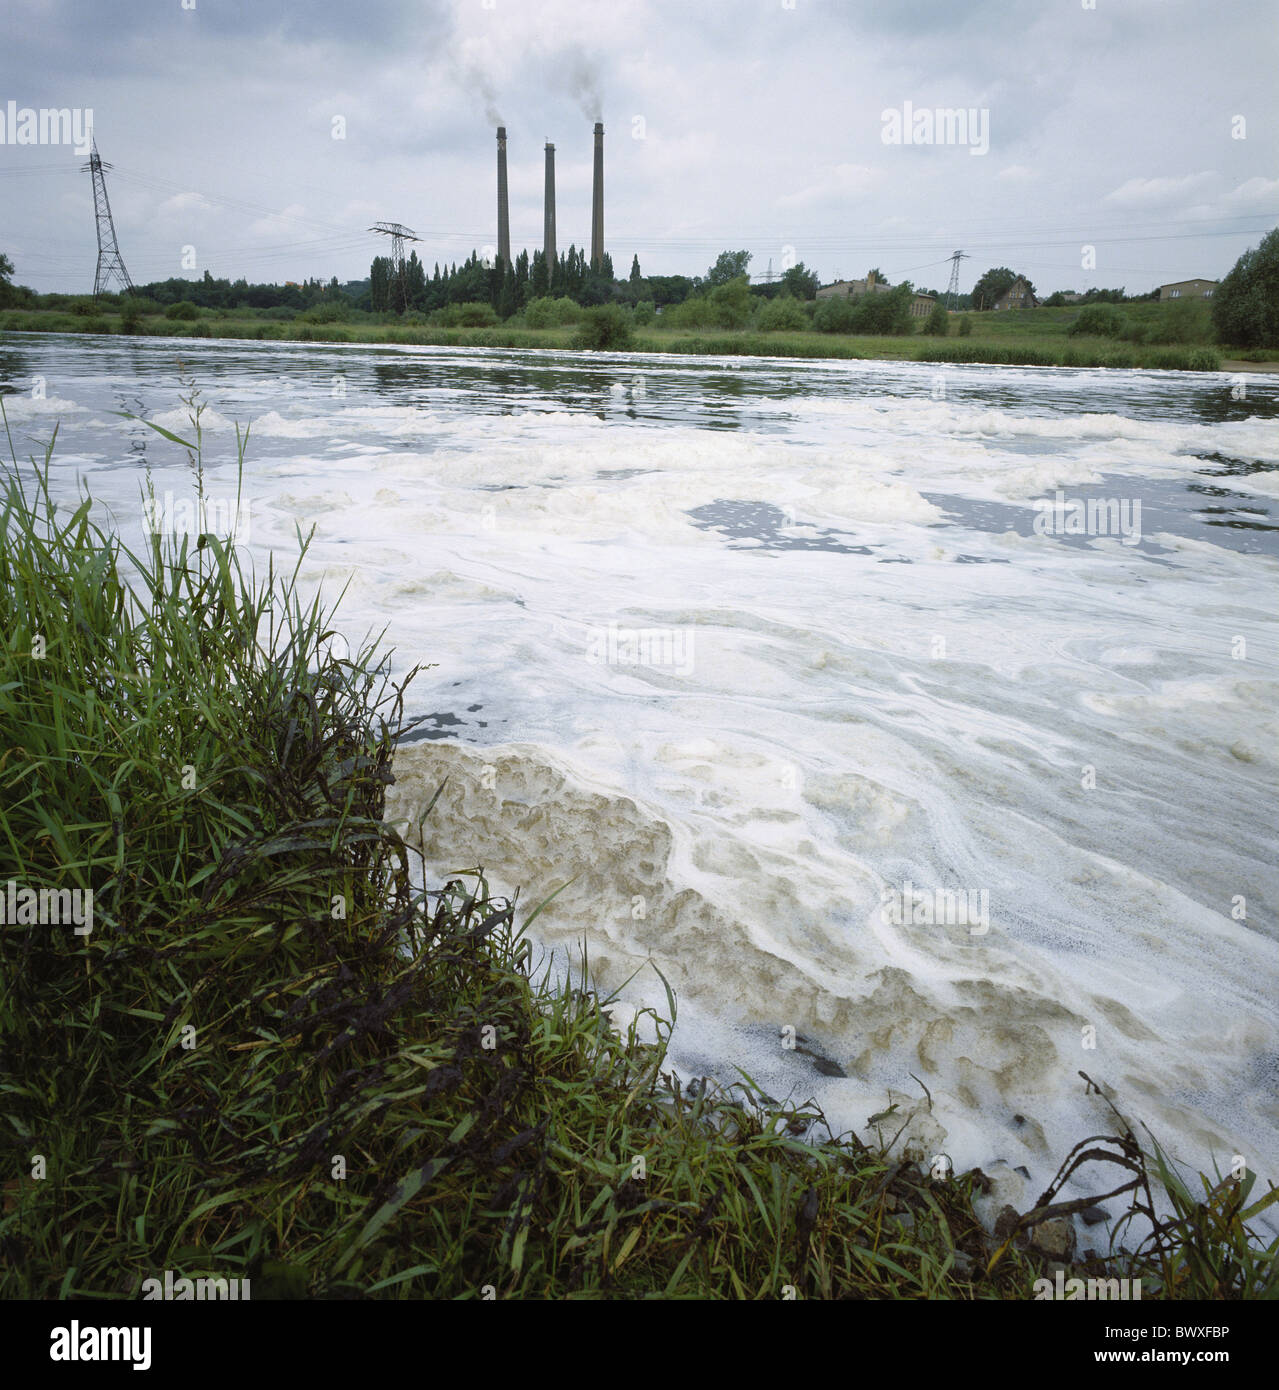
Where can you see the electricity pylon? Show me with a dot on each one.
(110, 261)
(953, 290)
(399, 235)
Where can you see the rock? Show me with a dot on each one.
(1005, 1188)
(1055, 1238)
(1005, 1223)
(1023, 1170)
(964, 1265)
(907, 1219)
(1094, 1216)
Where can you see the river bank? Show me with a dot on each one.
(1039, 340)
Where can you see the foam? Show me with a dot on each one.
(817, 746)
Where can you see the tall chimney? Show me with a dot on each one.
(503, 206)
(597, 201)
(548, 233)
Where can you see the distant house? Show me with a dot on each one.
(922, 305)
(851, 289)
(1187, 289)
(1016, 296)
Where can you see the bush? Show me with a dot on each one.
(645, 313)
(605, 329)
(781, 315)
(1099, 321)
(965, 326)
(551, 313)
(183, 310)
(1245, 306)
(98, 325)
(280, 314)
(475, 314)
(325, 313)
(937, 324)
(834, 316)
(1204, 360)
(201, 330)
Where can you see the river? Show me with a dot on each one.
(864, 750)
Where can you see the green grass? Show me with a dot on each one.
(274, 1058)
(1031, 337)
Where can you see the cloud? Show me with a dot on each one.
(1256, 194)
(1156, 192)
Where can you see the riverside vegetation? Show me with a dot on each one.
(1148, 335)
(275, 1058)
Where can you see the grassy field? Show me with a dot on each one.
(1033, 337)
(272, 1058)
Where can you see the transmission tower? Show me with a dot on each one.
(399, 235)
(110, 261)
(953, 289)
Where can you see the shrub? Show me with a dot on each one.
(782, 314)
(98, 325)
(937, 324)
(201, 330)
(325, 313)
(1204, 360)
(1099, 321)
(605, 329)
(551, 313)
(965, 326)
(645, 313)
(834, 316)
(183, 310)
(475, 314)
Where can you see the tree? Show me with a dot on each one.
(730, 265)
(6, 279)
(380, 283)
(937, 324)
(1245, 306)
(636, 277)
(800, 282)
(414, 283)
(992, 285)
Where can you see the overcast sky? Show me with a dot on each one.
(730, 123)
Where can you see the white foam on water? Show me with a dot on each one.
(1075, 731)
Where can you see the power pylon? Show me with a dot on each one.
(399, 235)
(110, 261)
(953, 289)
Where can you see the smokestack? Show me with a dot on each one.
(503, 206)
(597, 201)
(548, 233)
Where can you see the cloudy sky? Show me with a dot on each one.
(1145, 129)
